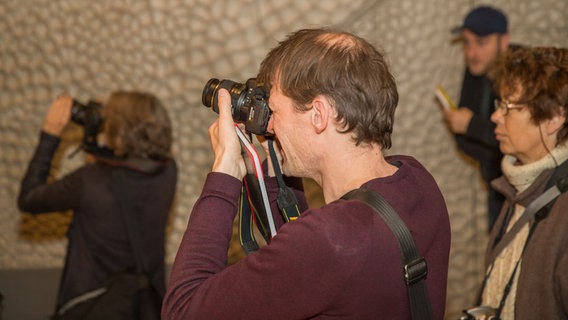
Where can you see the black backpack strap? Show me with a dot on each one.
(559, 177)
(415, 268)
(148, 301)
(132, 229)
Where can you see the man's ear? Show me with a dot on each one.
(320, 112)
(505, 39)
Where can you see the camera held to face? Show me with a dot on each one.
(248, 102)
(89, 116)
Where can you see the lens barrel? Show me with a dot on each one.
(248, 102)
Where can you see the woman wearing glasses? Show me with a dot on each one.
(527, 255)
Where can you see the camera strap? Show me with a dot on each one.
(287, 202)
(248, 215)
(414, 265)
(247, 238)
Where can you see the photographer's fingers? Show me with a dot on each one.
(224, 140)
(58, 115)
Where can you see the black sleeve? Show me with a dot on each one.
(38, 196)
(479, 141)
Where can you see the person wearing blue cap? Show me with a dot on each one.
(484, 37)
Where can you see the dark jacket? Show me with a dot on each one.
(542, 288)
(98, 242)
(479, 141)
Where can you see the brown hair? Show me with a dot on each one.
(346, 69)
(542, 75)
(136, 124)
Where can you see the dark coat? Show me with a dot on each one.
(98, 241)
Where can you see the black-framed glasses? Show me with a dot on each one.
(504, 106)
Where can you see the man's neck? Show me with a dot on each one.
(350, 170)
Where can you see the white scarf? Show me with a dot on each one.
(522, 176)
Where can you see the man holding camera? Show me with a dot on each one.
(138, 135)
(332, 99)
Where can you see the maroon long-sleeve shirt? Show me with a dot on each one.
(340, 261)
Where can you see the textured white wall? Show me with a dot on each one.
(90, 48)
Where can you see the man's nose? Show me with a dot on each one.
(270, 126)
(470, 52)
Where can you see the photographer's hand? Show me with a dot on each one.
(58, 116)
(224, 141)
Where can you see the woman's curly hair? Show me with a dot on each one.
(541, 73)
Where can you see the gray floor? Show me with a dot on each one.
(28, 294)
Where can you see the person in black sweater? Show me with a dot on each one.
(137, 129)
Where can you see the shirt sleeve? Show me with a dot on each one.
(202, 286)
(36, 194)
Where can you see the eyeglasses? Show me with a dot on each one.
(504, 106)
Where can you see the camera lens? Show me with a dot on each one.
(86, 114)
(209, 95)
(236, 90)
(248, 102)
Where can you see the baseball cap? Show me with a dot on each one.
(483, 21)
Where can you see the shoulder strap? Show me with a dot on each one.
(535, 206)
(415, 268)
(559, 176)
(556, 185)
(131, 225)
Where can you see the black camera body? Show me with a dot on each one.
(89, 116)
(86, 114)
(249, 102)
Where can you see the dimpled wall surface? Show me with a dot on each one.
(171, 48)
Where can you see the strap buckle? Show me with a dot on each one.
(415, 271)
